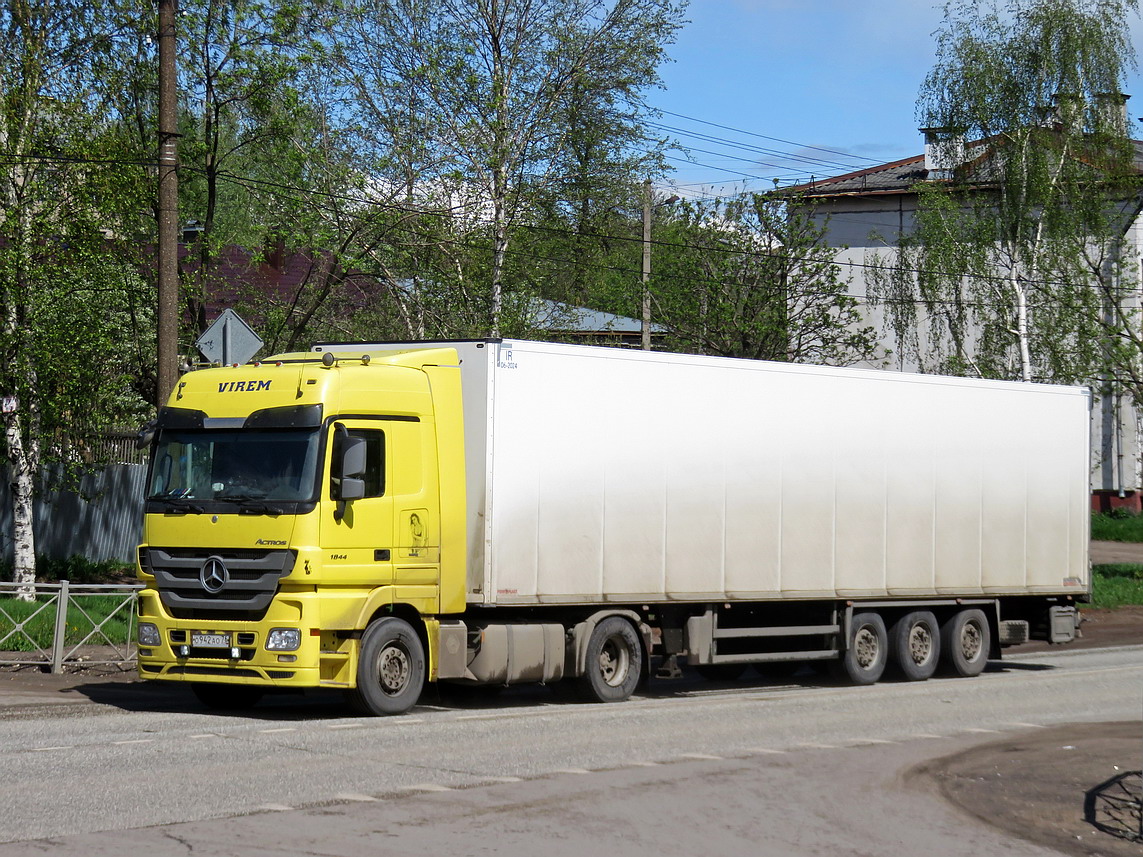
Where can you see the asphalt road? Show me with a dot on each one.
(807, 768)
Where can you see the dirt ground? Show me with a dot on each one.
(1072, 788)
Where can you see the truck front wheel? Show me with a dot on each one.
(863, 660)
(964, 643)
(390, 668)
(614, 662)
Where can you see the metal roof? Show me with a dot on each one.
(901, 176)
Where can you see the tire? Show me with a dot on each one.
(227, 697)
(915, 645)
(864, 659)
(720, 672)
(390, 669)
(964, 643)
(614, 662)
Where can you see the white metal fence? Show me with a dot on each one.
(67, 623)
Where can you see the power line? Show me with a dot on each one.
(773, 139)
(747, 147)
(447, 212)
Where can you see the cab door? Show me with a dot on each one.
(357, 535)
(416, 508)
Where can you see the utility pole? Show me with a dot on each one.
(168, 207)
(648, 210)
(647, 265)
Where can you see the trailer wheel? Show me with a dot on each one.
(915, 644)
(964, 643)
(864, 659)
(614, 662)
(390, 668)
(227, 697)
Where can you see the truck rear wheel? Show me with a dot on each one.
(964, 643)
(227, 697)
(614, 662)
(915, 643)
(390, 668)
(864, 659)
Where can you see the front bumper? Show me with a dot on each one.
(320, 660)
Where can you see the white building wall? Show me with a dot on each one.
(864, 230)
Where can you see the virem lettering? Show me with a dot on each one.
(243, 386)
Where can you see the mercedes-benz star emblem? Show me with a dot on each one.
(213, 575)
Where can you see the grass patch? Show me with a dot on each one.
(1119, 526)
(41, 625)
(1116, 585)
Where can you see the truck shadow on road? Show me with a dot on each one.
(296, 705)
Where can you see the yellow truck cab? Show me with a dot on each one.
(292, 504)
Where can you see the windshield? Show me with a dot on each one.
(279, 464)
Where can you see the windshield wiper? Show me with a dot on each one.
(250, 508)
(181, 505)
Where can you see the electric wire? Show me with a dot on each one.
(446, 212)
(773, 139)
(748, 147)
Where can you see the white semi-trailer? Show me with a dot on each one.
(508, 511)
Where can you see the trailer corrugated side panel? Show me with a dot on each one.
(628, 476)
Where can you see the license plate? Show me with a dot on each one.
(211, 641)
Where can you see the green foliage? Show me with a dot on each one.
(1119, 525)
(1117, 585)
(71, 303)
(752, 277)
(79, 569)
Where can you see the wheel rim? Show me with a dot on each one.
(865, 648)
(393, 669)
(971, 641)
(920, 644)
(614, 661)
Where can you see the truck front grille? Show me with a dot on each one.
(196, 583)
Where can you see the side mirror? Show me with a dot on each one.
(146, 433)
(353, 457)
(349, 467)
(352, 489)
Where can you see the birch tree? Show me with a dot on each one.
(997, 277)
(61, 292)
(467, 99)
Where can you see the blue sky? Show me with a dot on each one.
(842, 75)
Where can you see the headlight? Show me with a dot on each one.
(284, 640)
(149, 634)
